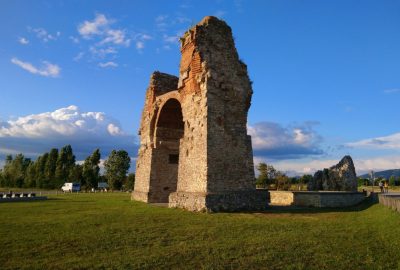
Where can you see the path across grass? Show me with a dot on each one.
(103, 230)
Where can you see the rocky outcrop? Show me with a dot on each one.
(341, 177)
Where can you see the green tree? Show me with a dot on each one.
(15, 170)
(392, 180)
(76, 174)
(266, 175)
(129, 182)
(262, 178)
(65, 162)
(49, 180)
(116, 167)
(7, 171)
(294, 180)
(102, 178)
(30, 177)
(40, 170)
(91, 169)
(20, 165)
(362, 181)
(282, 181)
(304, 180)
(1, 178)
(379, 179)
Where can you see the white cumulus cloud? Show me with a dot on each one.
(274, 141)
(85, 131)
(115, 37)
(108, 64)
(141, 40)
(100, 27)
(104, 37)
(47, 69)
(61, 122)
(95, 27)
(23, 41)
(139, 45)
(385, 142)
(377, 164)
(114, 129)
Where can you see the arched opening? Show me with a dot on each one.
(170, 122)
(169, 130)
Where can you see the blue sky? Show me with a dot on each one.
(326, 75)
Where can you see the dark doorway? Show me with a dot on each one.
(169, 130)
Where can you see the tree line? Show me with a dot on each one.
(56, 167)
(271, 178)
(392, 181)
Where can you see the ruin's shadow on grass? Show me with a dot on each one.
(313, 210)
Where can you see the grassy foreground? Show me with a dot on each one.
(77, 231)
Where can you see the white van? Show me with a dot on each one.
(71, 187)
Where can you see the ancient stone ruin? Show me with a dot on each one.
(194, 149)
(341, 177)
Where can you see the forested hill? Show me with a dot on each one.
(385, 174)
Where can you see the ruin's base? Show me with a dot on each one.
(215, 202)
(149, 197)
(142, 196)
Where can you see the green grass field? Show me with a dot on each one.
(108, 231)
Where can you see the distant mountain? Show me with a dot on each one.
(385, 174)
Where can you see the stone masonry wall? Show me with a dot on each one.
(215, 169)
(160, 83)
(281, 197)
(316, 199)
(210, 64)
(230, 158)
(192, 175)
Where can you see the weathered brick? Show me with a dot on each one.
(202, 120)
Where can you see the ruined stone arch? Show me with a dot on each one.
(169, 116)
(163, 101)
(200, 159)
